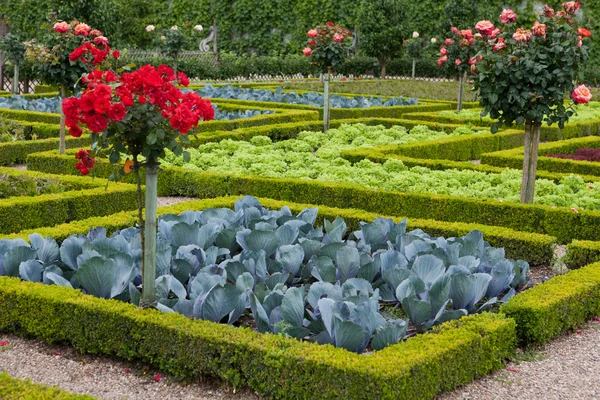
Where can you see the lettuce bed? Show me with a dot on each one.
(317, 156)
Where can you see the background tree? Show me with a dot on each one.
(525, 73)
(14, 50)
(382, 29)
(460, 13)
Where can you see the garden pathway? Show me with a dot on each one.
(568, 368)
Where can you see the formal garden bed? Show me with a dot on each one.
(387, 243)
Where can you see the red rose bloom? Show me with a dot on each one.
(96, 123)
(116, 54)
(75, 131)
(101, 106)
(117, 112)
(87, 101)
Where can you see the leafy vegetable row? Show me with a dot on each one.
(292, 277)
(316, 155)
(310, 99)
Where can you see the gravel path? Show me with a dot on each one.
(22, 167)
(102, 377)
(568, 368)
(170, 201)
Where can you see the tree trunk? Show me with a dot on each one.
(461, 89)
(15, 86)
(326, 77)
(414, 65)
(148, 299)
(530, 156)
(62, 146)
(383, 64)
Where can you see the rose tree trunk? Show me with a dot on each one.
(530, 156)
(149, 258)
(326, 78)
(461, 88)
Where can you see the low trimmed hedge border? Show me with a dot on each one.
(16, 152)
(514, 158)
(421, 367)
(582, 252)
(86, 199)
(556, 306)
(18, 389)
(562, 223)
(535, 248)
(547, 133)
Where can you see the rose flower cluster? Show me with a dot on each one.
(108, 98)
(94, 45)
(322, 35)
(86, 161)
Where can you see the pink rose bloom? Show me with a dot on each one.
(307, 51)
(101, 40)
(494, 33)
(548, 12)
(443, 51)
(571, 6)
(581, 95)
(95, 33)
(580, 43)
(499, 45)
(61, 27)
(475, 60)
(473, 69)
(539, 29)
(457, 62)
(448, 41)
(312, 33)
(442, 60)
(508, 16)
(454, 30)
(82, 29)
(478, 36)
(522, 35)
(485, 27)
(467, 34)
(338, 37)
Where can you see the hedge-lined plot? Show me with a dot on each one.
(571, 130)
(86, 198)
(514, 157)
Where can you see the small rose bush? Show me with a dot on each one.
(140, 113)
(457, 54)
(68, 51)
(523, 73)
(328, 46)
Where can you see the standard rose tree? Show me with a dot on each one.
(457, 54)
(68, 51)
(328, 46)
(174, 40)
(524, 73)
(137, 115)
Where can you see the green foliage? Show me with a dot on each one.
(556, 306)
(15, 389)
(382, 27)
(13, 47)
(460, 13)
